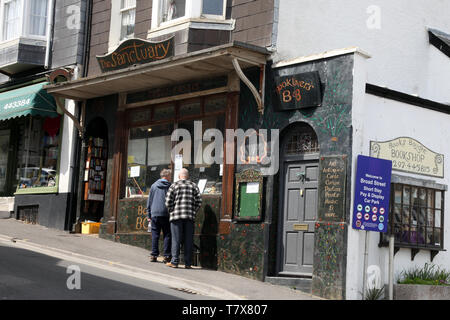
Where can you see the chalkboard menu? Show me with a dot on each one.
(332, 177)
(298, 91)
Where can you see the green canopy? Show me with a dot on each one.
(33, 100)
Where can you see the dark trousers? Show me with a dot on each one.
(161, 224)
(182, 232)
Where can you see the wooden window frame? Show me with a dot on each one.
(230, 112)
(415, 246)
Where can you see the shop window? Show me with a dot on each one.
(148, 153)
(416, 217)
(38, 154)
(150, 146)
(201, 171)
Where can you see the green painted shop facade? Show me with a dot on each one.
(291, 233)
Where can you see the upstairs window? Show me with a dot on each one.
(11, 19)
(24, 18)
(38, 17)
(128, 14)
(172, 9)
(214, 8)
(168, 12)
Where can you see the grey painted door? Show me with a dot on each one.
(300, 212)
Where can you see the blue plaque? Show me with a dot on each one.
(372, 194)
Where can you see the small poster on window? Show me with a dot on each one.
(135, 171)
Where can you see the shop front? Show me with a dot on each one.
(30, 139)
(171, 113)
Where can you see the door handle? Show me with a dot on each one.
(301, 193)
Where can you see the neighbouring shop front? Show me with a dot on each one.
(30, 139)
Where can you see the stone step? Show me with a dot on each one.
(302, 284)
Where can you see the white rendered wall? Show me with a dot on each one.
(379, 119)
(67, 149)
(394, 33)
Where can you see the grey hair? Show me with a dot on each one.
(184, 173)
(165, 173)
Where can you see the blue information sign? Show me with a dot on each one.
(372, 193)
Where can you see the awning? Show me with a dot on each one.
(30, 100)
(202, 64)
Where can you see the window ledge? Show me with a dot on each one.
(29, 40)
(37, 190)
(191, 23)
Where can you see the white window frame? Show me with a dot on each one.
(193, 11)
(26, 24)
(2, 15)
(215, 16)
(23, 22)
(116, 25)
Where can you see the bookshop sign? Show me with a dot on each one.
(409, 155)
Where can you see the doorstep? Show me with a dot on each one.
(301, 284)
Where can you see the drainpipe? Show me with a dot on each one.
(50, 18)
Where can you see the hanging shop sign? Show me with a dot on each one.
(299, 90)
(372, 194)
(136, 51)
(409, 155)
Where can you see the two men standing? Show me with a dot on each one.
(181, 203)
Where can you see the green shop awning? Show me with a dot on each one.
(31, 100)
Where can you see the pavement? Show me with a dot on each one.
(134, 261)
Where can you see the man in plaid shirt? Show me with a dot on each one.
(183, 200)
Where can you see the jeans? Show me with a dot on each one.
(158, 224)
(182, 231)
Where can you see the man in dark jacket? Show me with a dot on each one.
(183, 201)
(159, 216)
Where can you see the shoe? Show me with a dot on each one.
(153, 259)
(170, 264)
(187, 267)
(167, 259)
